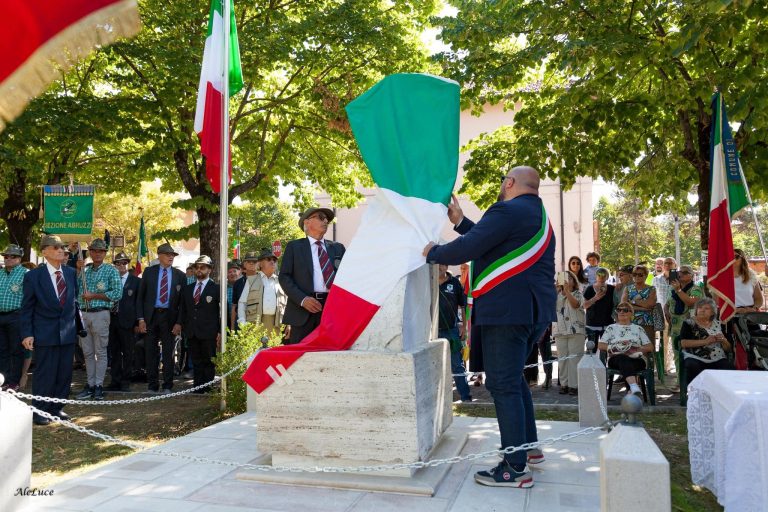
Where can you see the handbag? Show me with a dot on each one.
(658, 317)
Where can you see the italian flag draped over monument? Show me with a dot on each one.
(209, 114)
(728, 198)
(407, 129)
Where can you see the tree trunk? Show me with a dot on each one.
(210, 233)
(19, 215)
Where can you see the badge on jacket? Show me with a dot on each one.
(130, 292)
(208, 299)
(178, 287)
(449, 288)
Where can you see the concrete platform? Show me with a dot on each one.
(567, 481)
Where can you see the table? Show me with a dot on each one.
(728, 437)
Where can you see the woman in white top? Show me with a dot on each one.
(625, 344)
(569, 332)
(749, 295)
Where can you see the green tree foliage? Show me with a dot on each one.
(121, 214)
(619, 90)
(71, 131)
(302, 63)
(624, 227)
(263, 223)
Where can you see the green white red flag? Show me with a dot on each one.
(209, 114)
(728, 198)
(142, 249)
(407, 129)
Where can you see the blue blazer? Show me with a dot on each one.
(42, 316)
(526, 298)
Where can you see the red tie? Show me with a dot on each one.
(198, 289)
(164, 287)
(61, 288)
(325, 264)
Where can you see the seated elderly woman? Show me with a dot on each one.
(704, 345)
(626, 343)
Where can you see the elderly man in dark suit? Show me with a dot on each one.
(200, 316)
(307, 272)
(122, 326)
(512, 248)
(47, 325)
(158, 312)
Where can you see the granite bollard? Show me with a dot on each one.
(15, 452)
(590, 412)
(634, 474)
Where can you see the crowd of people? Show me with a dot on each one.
(105, 317)
(75, 309)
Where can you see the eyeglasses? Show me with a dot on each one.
(504, 178)
(684, 272)
(638, 274)
(623, 310)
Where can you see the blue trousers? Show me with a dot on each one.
(53, 374)
(505, 349)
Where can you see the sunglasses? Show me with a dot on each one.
(737, 256)
(623, 310)
(638, 274)
(504, 178)
(318, 216)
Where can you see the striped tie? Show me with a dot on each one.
(164, 287)
(197, 293)
(325, 264)
(61, 288)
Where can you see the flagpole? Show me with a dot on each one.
(224, 195)
(754, 215)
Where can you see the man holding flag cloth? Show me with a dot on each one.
(513, 267)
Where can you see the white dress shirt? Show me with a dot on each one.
(317, 271)
(52, 271)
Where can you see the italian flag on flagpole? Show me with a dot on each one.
(209, 114)
(728, 198)
(407, 129)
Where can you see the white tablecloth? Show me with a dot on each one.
(728, 437)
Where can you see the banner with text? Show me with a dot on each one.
(68, 211)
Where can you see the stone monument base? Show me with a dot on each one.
(423, 482)
(358, 408)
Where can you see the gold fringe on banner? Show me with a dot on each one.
(59, 53)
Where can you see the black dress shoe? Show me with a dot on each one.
(39, 420)
(64, 416)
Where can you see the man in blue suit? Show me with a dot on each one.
(512, 250)
(47, 325)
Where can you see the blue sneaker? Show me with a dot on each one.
(504, 475)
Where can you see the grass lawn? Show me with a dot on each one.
(59, 452)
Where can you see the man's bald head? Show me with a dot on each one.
(526, 176)
(519, 180)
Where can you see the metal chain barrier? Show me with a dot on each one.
(317, 469)
(549, 361)
(67, 401)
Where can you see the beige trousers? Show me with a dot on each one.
(567, 345)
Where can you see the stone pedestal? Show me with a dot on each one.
(590, 414)
(387, 400)
(15, 452)
(357, 408)
(634, 474)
